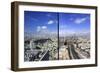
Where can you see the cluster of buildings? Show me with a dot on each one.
(48, 48)
(39, 49)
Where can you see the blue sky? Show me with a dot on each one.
(40, 21)
(74, 23)
(35, 22)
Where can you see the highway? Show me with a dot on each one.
(72, 53)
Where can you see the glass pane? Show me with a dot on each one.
(40, 36)
(74, 36)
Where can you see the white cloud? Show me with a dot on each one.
(40, 28)
(79, 20)
(50, 22)
(44, 27)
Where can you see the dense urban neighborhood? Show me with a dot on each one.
(71, 47)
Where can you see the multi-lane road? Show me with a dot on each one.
(72, 53)
(75, 53)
